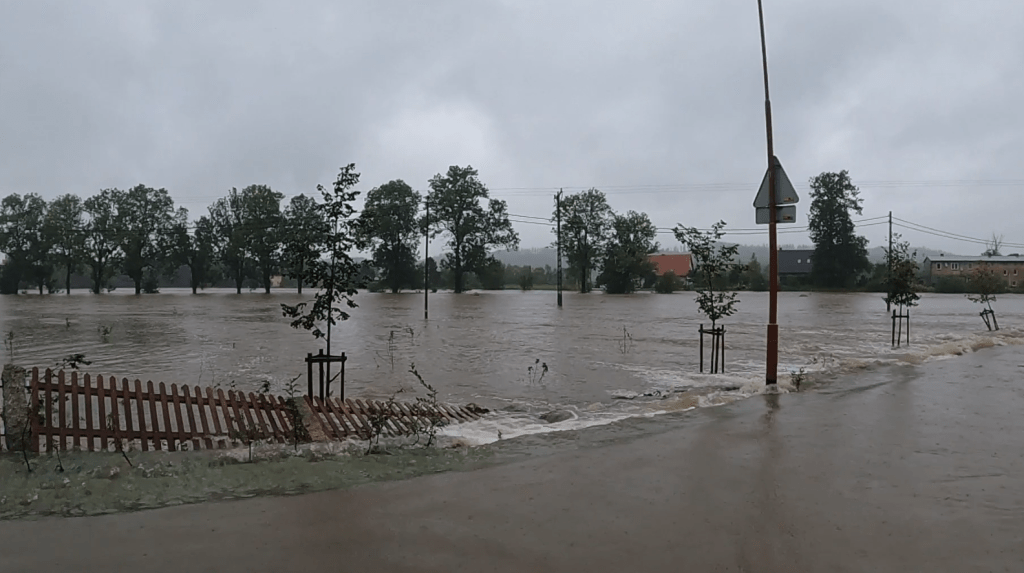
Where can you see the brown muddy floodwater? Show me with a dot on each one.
(608, 357)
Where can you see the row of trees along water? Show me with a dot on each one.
(250, 234)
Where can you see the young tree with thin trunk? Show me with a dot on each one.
(473, 230)
(335, 275)
(985, 283)
(712, 261)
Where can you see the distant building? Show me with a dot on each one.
(1011, 267)
(795, 262)
(678, 263)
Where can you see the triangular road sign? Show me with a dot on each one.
(784, 190)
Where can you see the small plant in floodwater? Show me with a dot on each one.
(378, 418)
(9, 345)
(298, 430)
(389, 350)
(104, 331)
(249, 435)
(67, 323)
(264, 387)
(536, 372)
(626, 342)
(428, 409)
(73, 361)
(114, 427)
(797, 377)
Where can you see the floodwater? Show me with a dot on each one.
(608, 357)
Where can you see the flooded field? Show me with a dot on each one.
(607, 357)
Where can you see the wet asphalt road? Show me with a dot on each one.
(897, 469)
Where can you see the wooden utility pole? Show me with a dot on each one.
(426, 262)
(772, 358)
(558, 241)
(889, 261)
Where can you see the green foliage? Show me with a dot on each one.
(338, 276)
(304, 229)
(985, 283)
(901, 285)
(712, 261)
(455, 209)
(492, 275)
(526, 279)
(197, 251)
(143, 223)
(668, 283)
(64, 224)
(427, 408)
(262, 226)
(587, 223)
(24, 239)
(951, 285)
(753, 277)
(228, 217)
(626, 265)
(388, 227)
(840, 256)
(101, 241)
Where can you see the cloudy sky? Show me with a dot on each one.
(659, 104)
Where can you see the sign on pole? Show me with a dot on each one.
(783, 188)
(785, 207)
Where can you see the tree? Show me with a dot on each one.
(197, 251)
(626, 265)
(668, 283)
(262, 226)
(586, 226)
(336, 277)
(65, 225)
(993, 247)
(101, 240)
(143, 220)
(455, 209)
(753, 277)
(839, 255)
(24, 240)
(228, 217)
(304, 230)
(900, 286)
(985, 283)
(713, 260)
(389, 228)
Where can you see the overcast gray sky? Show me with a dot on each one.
(659, 104)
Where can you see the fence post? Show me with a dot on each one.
(309, 373)
(15, 407)
(343, 359)
(701, 329)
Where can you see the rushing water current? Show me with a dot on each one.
(607, 357)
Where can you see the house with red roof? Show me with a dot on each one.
(678, 263)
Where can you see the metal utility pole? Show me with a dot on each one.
(558, 241)
(889, 261)
(772, 359)
(426, 262)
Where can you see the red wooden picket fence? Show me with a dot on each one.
(100, 413)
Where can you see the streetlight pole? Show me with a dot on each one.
(772, 358)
